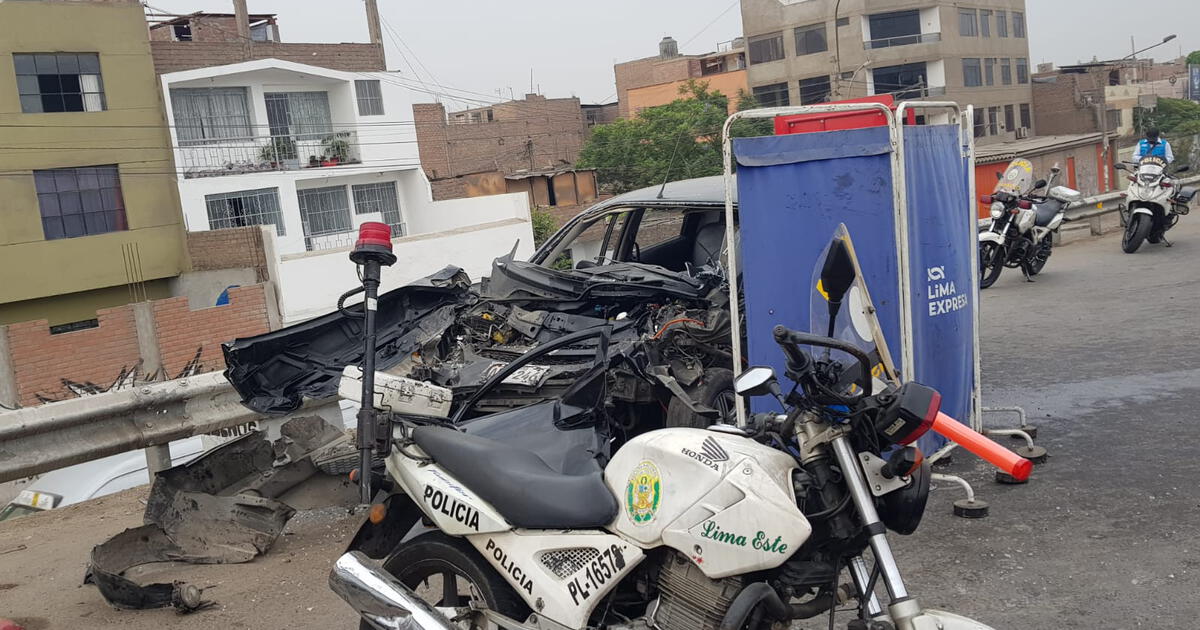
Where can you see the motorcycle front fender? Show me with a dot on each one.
(992, 237)
(1141, 210)
(930, 619)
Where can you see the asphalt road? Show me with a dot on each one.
(1100, 351)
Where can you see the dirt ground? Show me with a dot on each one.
(43, 558)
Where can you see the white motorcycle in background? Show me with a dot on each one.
(1153, 204)
(1021, 234)
(534, 527)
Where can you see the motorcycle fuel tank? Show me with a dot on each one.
(723, 500)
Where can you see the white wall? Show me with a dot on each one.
(931, 20)
(935, 73)
(437, 216)
(310, 283)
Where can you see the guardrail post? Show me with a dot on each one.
(1095, 226)
(158, 459)
(9, 395)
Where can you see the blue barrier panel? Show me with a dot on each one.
(793, 192)
(941, 232)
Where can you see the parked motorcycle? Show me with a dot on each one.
(1021, 234)
(1153, 202)
(683, 528)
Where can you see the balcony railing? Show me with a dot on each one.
(233, 156)
(916, 91)
(903, 40)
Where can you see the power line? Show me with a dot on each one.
(709, 25)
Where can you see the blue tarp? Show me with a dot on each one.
(794, 190)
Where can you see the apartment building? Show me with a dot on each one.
(89, 215)
(656, 80)
(802, 52)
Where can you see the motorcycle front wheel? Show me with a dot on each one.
(991, 263)
(1136, 232)
(448, 571)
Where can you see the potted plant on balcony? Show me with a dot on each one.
(336, 148)
(313, 162)
(279, 150)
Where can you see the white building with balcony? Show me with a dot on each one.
(313, 153)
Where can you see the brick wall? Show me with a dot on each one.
(49, 367)
(650, 71)
(42, 361)
(1061, 107)
(175, 56)
(184, 334)
(535, 133)
(231, 248)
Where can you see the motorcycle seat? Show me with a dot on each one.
(1046, 211)
(524, 489)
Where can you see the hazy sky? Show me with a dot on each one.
(484, 46)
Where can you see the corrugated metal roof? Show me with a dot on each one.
(1036, 145)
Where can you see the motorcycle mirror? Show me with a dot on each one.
(1041, 183)
(1056, 169)
(999, 176)
(1120, 166)
(755, 381)
(1183, 169)
(838, 273)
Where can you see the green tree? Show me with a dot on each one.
(1173, 117)
(1194, 58)
(543, 226)
(679, 140)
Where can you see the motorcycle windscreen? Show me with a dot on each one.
(855, 323)
(1150, 168)
(1017, 178)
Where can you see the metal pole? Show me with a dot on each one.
(865, 503)
(366, 411)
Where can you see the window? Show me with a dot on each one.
(1001, 23)
(1006, 71)
(59, 82)
(843, 21)
(774, 95)
(1026, 118)
(811, 39)
(968, 25)
(989, 71)
(898, 28)
(207, 115)
(993, 120)
(972, 77)
(243, 208)
(301, 114)
(323, 212)
(980, 125)
(370, 98)
(80, 201)
(381, 198)
(985, 23)
(764, 48)
(904, 81)
(182, 32)
(1018, 24)
(814, 90)
(1010, 121)
(1022, 71)
(82, 324)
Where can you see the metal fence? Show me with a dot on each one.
(269, 153)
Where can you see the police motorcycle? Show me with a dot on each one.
(1153, 202)
(533, 524)
(1021, 234)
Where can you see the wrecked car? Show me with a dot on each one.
(649, 264)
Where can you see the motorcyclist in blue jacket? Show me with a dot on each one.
(1153, 145)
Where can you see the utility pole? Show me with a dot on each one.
(373, 28)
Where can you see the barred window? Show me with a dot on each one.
(323, 212)
(370, 97)
(59, 82)
(381, 198)
(245, 207)
(80, 201)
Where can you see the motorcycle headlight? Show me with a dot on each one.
(997, 210)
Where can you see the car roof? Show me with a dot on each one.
(701, 191)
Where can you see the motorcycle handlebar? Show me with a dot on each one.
(789, 339)
(993, 453)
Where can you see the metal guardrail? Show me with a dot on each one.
(1098, 205)
(38, 439)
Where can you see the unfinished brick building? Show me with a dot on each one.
(201, 40)
(526, 145)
